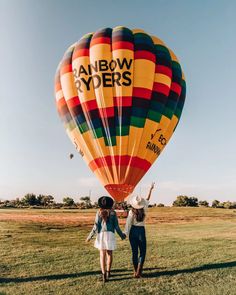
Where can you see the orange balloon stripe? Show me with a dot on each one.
(57, 86)
(73, 102)
(160, 69)
(100, 40)
(61, 103)
(90, 105)
(161, 88)
(142, 54)
(66, 69)
(122, 45)
(123, 101)
(142, 92)
(108, 112)
(176, 88)
(80, 52)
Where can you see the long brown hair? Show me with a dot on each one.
(105, 214)
(139, 214)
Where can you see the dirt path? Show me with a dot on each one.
(87, 218)
(48, 218)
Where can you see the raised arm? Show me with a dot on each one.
(150, 191)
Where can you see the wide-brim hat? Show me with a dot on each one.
(105, 202)
(138, 202)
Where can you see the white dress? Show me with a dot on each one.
(105, 231)
(105, 240)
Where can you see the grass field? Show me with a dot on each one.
(190, 251)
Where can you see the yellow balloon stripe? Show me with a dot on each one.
(164, 130)
(86, 96)
(144, 80)
(122, 97)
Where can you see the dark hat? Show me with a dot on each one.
(105, 202)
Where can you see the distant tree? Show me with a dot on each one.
(13, 203)
(6, 204)
(67, 201)
(86, 202)
(95, 204)
(215, 204)
(185, 201)
(229, 205)
(47, 200)
(203, 203)
(18, 202)
(233, 205)
(193, 202)
(225, 205)
(160, 205)
(57, 205)
(181, 201)
(40, 199)
(30, 200)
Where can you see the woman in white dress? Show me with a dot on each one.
(105, 225)
(135, 230)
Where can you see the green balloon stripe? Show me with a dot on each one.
(123, 131)
(154, 116)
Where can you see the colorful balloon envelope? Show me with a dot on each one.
(120, 94)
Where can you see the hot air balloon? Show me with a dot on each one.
(120, 94)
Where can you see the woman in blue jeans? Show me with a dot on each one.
(135, 229)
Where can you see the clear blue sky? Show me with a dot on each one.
(200, 159)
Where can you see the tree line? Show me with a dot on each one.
(185, 201)
(48, 201)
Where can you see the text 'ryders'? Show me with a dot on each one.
(110, 74)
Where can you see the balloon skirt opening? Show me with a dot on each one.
(119, 191)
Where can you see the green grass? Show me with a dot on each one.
(190, 251)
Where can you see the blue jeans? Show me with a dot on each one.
(137, 238)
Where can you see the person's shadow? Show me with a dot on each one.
(123, 274)
(157, 272)
(192, 270)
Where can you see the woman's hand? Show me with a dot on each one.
(150, 191)
(152, 185)
(87, 240)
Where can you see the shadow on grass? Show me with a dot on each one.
(149, 274)
(123, 274)
(59, 276)
(191, 270)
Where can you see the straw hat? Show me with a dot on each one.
(138, 202)
(105, 202)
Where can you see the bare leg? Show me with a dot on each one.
(103, 260)
(109, 260)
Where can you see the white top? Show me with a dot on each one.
(131, 220)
